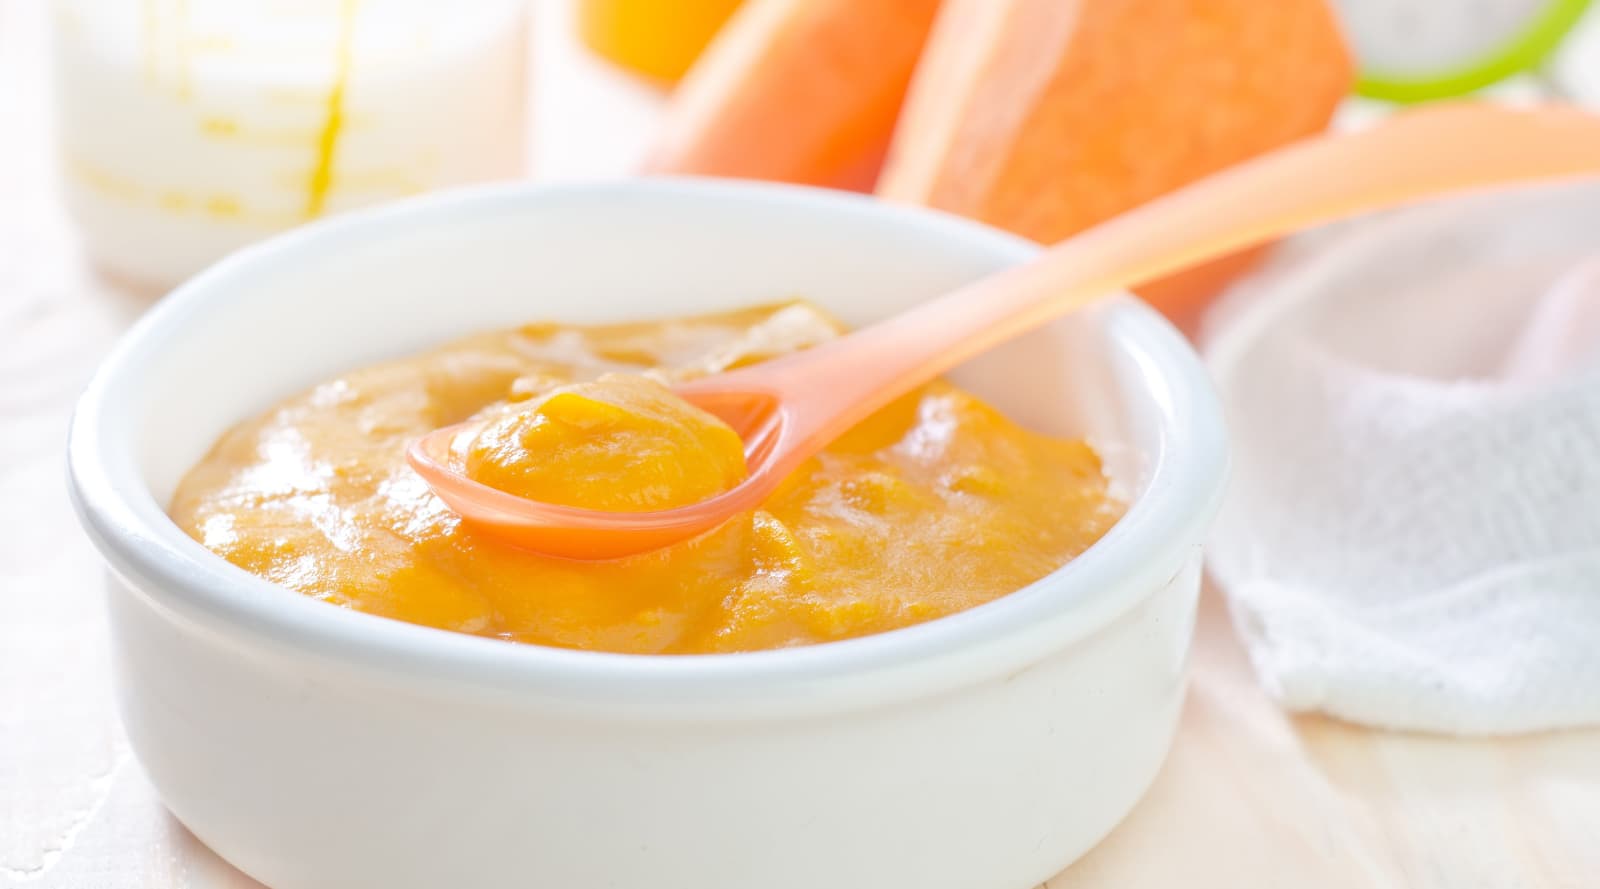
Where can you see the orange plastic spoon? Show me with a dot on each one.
(789, 408)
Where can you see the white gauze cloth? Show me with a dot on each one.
(1412, 535)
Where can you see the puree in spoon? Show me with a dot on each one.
(617, 443)
(935, 504)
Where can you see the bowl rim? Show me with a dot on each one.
(1150, 545)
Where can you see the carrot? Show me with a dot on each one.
(1045, 117)
(796, 90)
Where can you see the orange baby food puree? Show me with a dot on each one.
(617, 443)
(935, 504)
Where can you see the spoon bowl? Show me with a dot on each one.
(759, 418)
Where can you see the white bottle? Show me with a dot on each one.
(189, 128)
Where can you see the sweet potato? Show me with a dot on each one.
(1047, 116)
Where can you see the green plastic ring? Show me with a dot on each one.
(1525, 51)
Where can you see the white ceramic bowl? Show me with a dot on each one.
(318, 747)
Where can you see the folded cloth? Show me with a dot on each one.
(1412, 536)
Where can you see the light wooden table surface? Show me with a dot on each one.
(1249, 798)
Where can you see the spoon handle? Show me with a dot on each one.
(1412, 156)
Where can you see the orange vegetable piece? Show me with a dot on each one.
(657, 38)
(796, 91)
(1045, 117)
